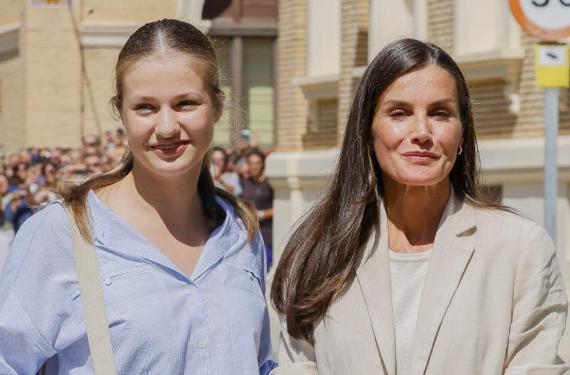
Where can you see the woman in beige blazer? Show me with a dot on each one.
(404, 267)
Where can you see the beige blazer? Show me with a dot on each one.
(493, 302)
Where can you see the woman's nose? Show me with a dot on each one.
(421, 131)
(167, 126)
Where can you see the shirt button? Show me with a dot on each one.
(108, 281)
(201, 344)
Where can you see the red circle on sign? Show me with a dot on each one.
(534, 29)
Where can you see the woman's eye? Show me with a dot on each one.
(186, 104)
(397, 114)
(441, 114)
(144, 108)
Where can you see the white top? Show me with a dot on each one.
(407, 272)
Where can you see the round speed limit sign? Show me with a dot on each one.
(548, 20)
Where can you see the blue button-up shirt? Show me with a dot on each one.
(161, 321)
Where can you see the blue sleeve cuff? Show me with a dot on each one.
(266, 367)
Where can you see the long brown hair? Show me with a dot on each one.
(147, 40)
(327, 245)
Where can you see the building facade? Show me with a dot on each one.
(323, 49)
(57, 62)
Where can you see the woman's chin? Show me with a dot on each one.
(171, 168)
(428, 181)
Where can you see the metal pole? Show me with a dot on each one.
(550, 163)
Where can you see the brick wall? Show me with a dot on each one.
(292, 61)
(440, 23)
(11, 83)
(10, 11)
(531, 116)
(135, 11)
(492, 109)
(325, 134)
(98, 90)
(51, 77)
(354, 42)
(12, 134)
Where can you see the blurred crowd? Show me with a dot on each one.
(32, 177)
(242, 173)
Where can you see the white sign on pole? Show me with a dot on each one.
(552, 56)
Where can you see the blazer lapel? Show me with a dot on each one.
(453, 249)
(374, 279)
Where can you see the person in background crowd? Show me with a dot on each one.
(18, 207)
(224, 178)
(108, 141)
(92, 145)
(21, 172)
(4, 185)
(242, 169)
(119, 145)
(258, 190)
(13, 160)
(47, 184)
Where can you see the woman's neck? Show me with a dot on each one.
(414, 213)
(175, 201)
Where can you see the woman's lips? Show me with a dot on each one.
(171, 149)
(419, 157)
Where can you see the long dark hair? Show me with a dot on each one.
(326, 247)
(148, 39)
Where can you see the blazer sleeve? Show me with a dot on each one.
(296, 357)
(540, 307)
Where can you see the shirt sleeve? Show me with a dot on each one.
(37, 317)
(265, 356)
(540, 308)
(23, 349)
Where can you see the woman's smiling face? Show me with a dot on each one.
(169, 112)
(417, 128)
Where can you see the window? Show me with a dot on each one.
(254, 82)
(244, 34)
(258, 88)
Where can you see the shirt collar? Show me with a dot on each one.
(114, 233)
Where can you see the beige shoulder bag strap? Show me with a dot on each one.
(93, 303)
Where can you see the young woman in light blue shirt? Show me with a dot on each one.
(181, 262)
